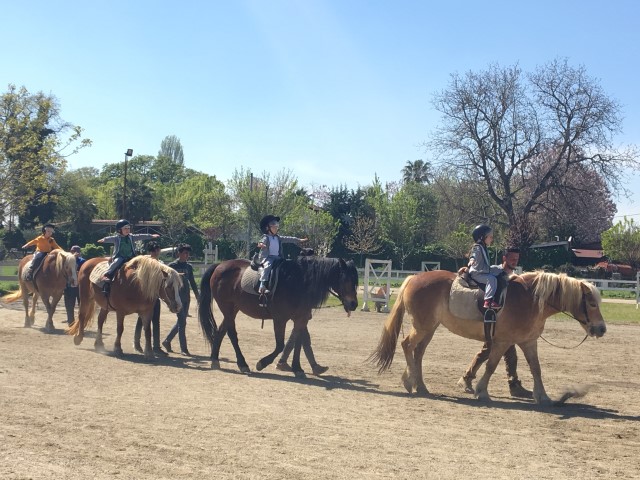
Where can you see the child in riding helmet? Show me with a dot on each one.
(480, 268)
(271, 247)
(44, 243)
(124, 247)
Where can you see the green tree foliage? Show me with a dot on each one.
(417, 171)
(76, 202)
(34, 142)
(621, 243)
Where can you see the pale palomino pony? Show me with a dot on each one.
(57, 270)
(531, 299)
(135, 289)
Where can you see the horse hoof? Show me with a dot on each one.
(422, 391)
(118, 352)
(408, 384)
(483, 397)
(138, 348)
(77, 340)
(259, 366)
(300, 374)
(466, 385)
(215, 364)
(245, 369)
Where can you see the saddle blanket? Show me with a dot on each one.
(249, 281)
(463, 301)
(25, 269)
(98, 272)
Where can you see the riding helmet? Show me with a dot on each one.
(121, 224)
(480, 232)
(266, 221)
(48, 225)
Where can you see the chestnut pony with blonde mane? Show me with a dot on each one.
(135, 289)
(57, 270)
(531, 299)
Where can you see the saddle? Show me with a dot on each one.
(466, 297)
(250, 280)
(98, 272)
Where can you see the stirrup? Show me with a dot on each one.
(262, 300)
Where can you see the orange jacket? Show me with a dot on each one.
(43, 244)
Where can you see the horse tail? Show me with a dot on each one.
(85, 315)
(13, 296)
(383, 355)
(205, 307)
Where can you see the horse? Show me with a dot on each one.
(58, 269)
(303, 285)
(531, 299)
(135, 289)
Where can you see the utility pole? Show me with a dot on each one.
(128, 154)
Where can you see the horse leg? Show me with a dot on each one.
(279, 326)
(51, 309)
(409, 345)
(217, 342)
(48, 326)
(28, 319)
(240, 360)
(530, 350)
(497, 350)
(117, 346)
(421, 388)
(295, 362)
(98, 345)
(146, 323)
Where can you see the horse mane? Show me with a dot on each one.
(565, 290)
(309, 278)
(148, 273)
(62, 258)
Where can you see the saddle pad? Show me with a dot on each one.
(97, 273)
(463, 301)
(25, 269)
(249, 280)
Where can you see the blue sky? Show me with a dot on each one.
(334, 90)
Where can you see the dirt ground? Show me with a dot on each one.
(67, 412)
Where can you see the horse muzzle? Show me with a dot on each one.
(350, 305)
(597, 330)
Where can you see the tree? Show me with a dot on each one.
(364, 237)
(622, 242)
(514, 131)
(457, 244)
(171, 148)
(34, 143)
(417, 171)
(76, 202)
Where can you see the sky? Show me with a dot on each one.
(335, 91)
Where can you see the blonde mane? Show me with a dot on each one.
(565, 291)
(62, 258)
(148, 273)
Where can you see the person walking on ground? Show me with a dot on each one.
(510, 260)
(72, 294)
(154, 252)
(182, 266)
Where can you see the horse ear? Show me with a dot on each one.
(343, 264)
(585, 288)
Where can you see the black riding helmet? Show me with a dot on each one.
(121, 224)
(266, 221)
(480, 232)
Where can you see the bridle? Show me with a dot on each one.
(585, 322)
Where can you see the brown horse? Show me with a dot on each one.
(135, 289)
(531, 299)
(303, 284)
(57, 270)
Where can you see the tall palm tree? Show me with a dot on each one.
(418, 171)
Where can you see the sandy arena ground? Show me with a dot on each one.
(67, 412)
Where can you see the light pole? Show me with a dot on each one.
(127, 155)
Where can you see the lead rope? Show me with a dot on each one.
(564, 348)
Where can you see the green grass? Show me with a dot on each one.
(617, 294)
(7, 271)
(6, 287)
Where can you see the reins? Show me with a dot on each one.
(586, 321)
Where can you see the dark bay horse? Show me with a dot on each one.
(531, 299)
(135, 289)
(58, 269)
(303, 285)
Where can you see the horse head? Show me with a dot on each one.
(588, 313)
(170, 290)
(345, 285)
